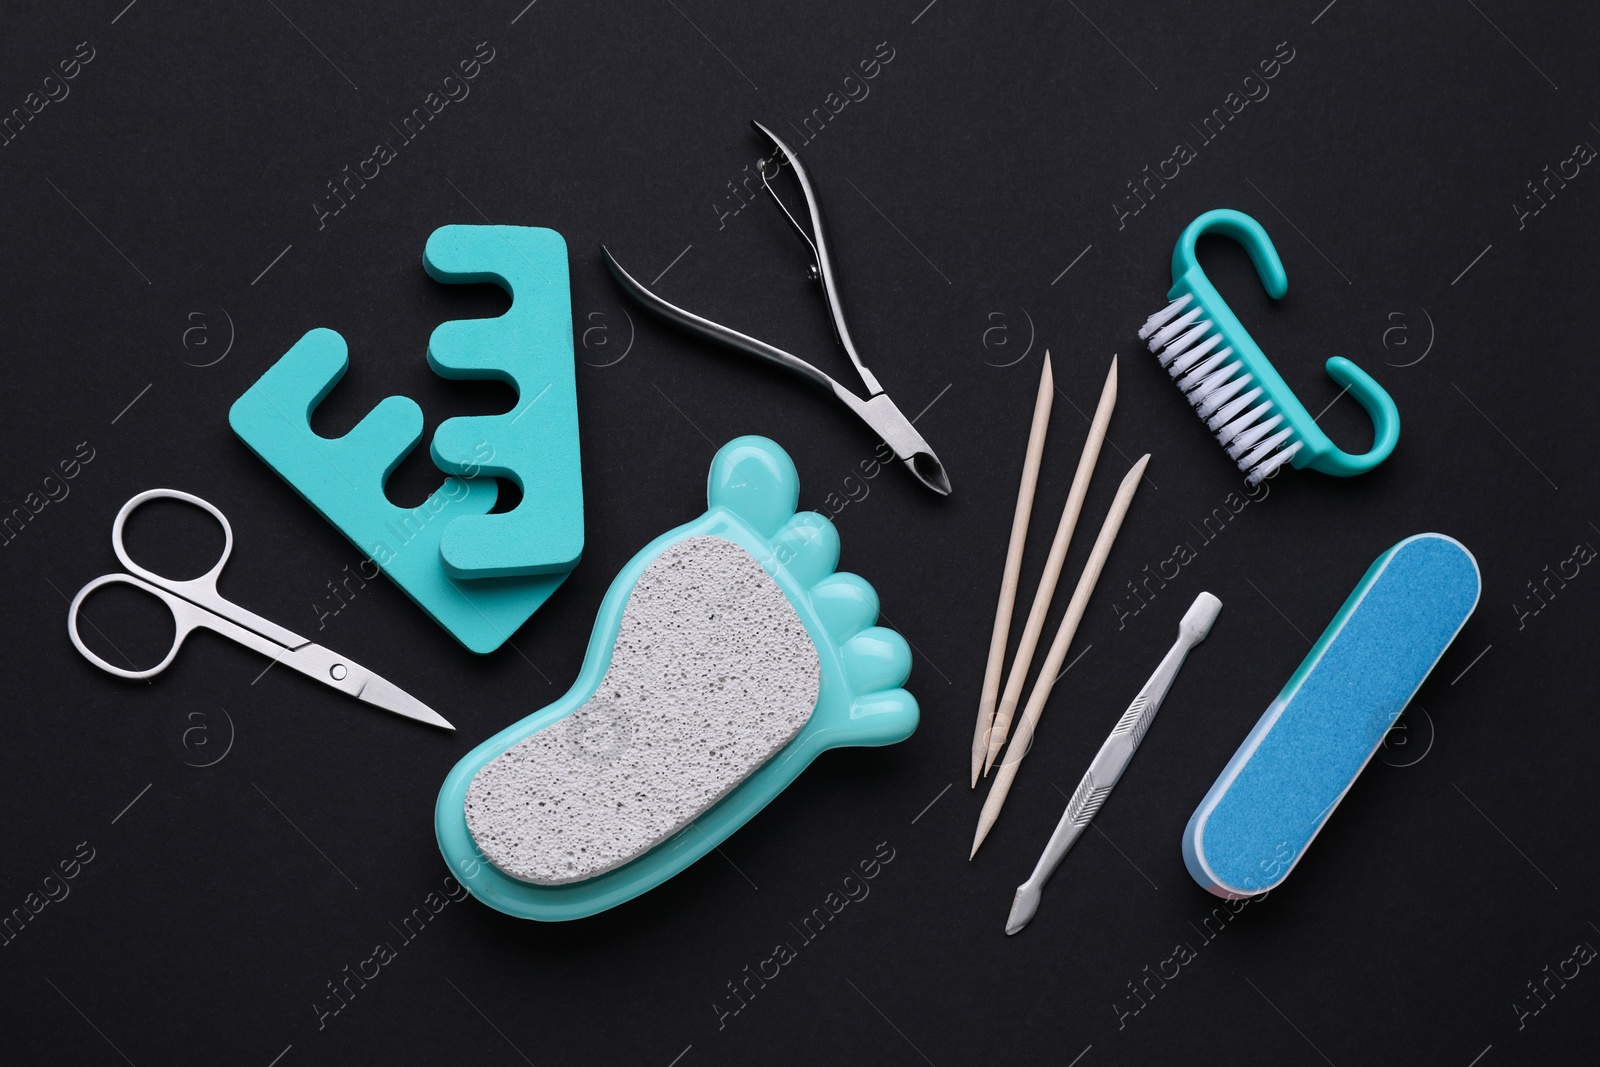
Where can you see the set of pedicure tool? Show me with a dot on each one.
(1303, 755)
(731, 651)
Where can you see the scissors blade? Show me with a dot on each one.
(382, 693)
(348, 676)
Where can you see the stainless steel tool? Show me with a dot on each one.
(877, 410)
(1112, 759)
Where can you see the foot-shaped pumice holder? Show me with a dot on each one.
(727, 655)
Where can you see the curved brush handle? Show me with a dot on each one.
(1242, 229)
(1380, 407)
(1317, 451)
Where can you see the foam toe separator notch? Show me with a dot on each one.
(535, 444)
(1281, 786)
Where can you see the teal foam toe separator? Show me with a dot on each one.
(534, 444)
(752, 492)
(1303, 755)
(343, 478)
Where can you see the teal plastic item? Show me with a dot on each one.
(752, 492)
(344, 477)
(535, 444)
(1255, 414)
(1295, 766)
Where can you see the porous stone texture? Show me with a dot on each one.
(711, 675)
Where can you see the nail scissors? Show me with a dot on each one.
(877, 410)
(195, 603)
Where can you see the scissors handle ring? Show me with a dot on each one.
(208, 580)
(181, 625)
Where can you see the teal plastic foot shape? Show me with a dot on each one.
(344, 478)
(752, 493)
(536, 443)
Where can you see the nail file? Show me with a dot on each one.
(1279, 789)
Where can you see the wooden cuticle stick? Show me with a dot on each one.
(1013, 568)
(1034, 629)
(1058, 652)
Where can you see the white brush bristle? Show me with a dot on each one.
(1221, 390)
(1160, 318)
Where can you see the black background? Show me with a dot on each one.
(986, 159)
